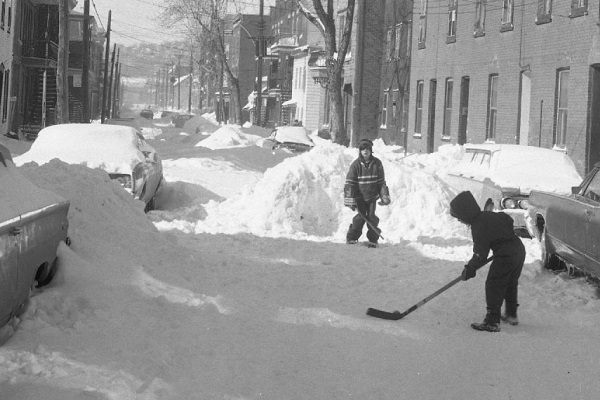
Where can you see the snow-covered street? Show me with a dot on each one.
(240, 286)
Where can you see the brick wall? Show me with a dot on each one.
(536, 50)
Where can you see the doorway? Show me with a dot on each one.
(431, 117)
(463, 117)
(524, 108)
(593, 134)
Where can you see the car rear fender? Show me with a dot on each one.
(41, 232)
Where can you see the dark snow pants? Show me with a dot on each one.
(502, 281)
(356, 228)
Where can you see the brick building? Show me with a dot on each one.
(506, 72)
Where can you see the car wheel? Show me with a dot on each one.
(549, 260)
(150, 204)
(489, 205)
(46, 273)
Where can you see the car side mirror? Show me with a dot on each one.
(574, 189)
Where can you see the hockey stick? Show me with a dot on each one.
(396, 315)
(373, 227)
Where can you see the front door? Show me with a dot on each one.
(593, 150)
(464, 110)
(431, 118)
(524, 109)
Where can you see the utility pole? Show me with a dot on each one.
(115, 84)
(259, 63)
(179, 81)
(85, 70)
(110, 83)
(62, 70)
(106, 54)
(191, 81)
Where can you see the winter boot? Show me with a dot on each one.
(510, 314)
(491, 323)
(351, 241)
(372, 245)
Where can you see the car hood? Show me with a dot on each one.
(111, 148)
(525, 182)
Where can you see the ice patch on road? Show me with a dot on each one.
(325, 317)
(52, 369)
(155, 288)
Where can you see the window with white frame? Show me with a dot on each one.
(492, 114)
(507, 15)
(419, 107)
(579, 8)
(448, 108)
(479, 29)
(3, 14)
(5, 95)
(384, 109)
(397, 40)
(390, 44)
(544, 12)
(562, 107)
(395, 104)
(423, 24)
(452, 15)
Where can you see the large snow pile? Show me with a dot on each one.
(302, 197)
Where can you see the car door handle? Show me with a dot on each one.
(15, 231)
(589, 213)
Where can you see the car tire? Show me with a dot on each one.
(45, 273)
(549, 260)
(150, 205)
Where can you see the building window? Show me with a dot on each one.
(390, 44)
(5, 95)
(395, 104)
(492, 114)
(479, 18)
(2, 86)
(544, 13)
(384, 109)
(448, 108)
(9, 22)
(452, 12)
(423, 24)
(562, 107)
(579, 8)
(507, 15)
(342, 24)
(397, 40)
(3, 14)
(419, 107)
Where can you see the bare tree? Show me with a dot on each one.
(324, 20)
(206, 23)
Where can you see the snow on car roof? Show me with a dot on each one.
(19, 195)
(112, 148)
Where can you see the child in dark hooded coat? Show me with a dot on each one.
(492, 231)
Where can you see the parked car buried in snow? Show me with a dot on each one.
(180, 119)
(568, 225)
(291, 138)
(501, 176)
(119, 150)
(33, 222)
(147, 113)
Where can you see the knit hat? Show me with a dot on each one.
(365, 144)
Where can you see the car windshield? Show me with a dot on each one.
(592, 191)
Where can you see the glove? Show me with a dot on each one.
(468, 273)
(384, 194)
(350, 202)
